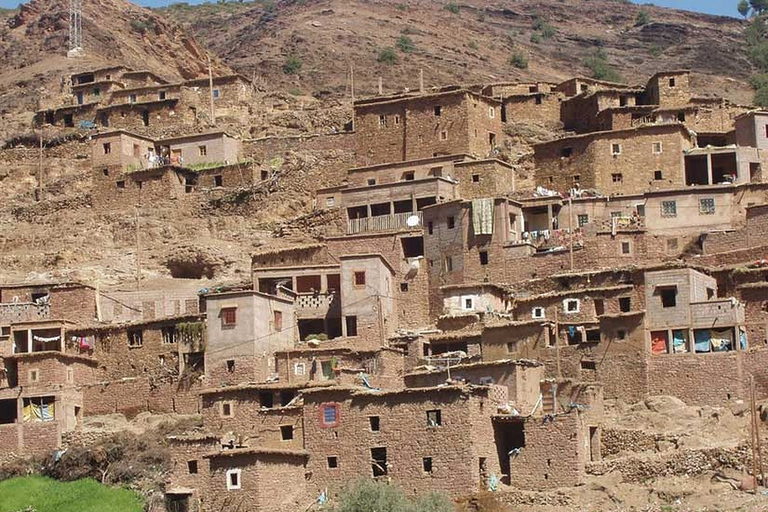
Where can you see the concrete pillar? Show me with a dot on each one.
(29, 340)
(414, 206)
(369, 210)
(549, 216)
(709, 169)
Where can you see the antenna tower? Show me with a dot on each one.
(75, 28)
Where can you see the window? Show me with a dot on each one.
(230, 365)
(430, 227)
(707, 206)
(360, 278)
(617, 177)
(120, 184)
(657, 148)
(426, 465)
(264, 175)
(538, 312)
(625, 304)
(218, 180)
(468, 303)
(202, 150)
(576, 179)
(582, 219)
(34, 375)
(539, 99)
(161, 95)
(475, 178)
(375, 423)
(658, 175)
(107, 148)
(397, 119)
(131, 98)
(409, 176)
(444, 135)
(566, 152)
(227, 410)
(671, 82)
(371, 182)
(615, 149)
(233, 479)
(278, 321)
(351, 322)
(681, 117)
(672, 244)
(330, 201)
(483, 257)
(97, 92)
(403, 287)
(329, 415)
(299, 369)
(382, 121)
(491, 112)
(588, 365)
(169, 335)
(669, 208)
(434, 418)
(333, 462)
(571, 305)
(286, 432)
(448, 264)
(451, 222)
(668, 296)
(438, 111)
(621, 335)
(216, 94)
(135, 338)
(625, 248)
(228, 317)
(379, 461)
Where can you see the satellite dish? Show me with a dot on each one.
(412, 221)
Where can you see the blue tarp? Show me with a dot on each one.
(703, 340)
(680, 341)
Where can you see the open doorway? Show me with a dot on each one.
(509, 436)
(594, 444)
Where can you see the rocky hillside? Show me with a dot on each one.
(462, 41)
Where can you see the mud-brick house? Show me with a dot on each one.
(412, 126)
(120, 150)
(425, 439)
(245, 329)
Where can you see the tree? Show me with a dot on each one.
(759, 6)
(642, 18)
(387, 56)
(601, 68)
(518, 60)
(405, 44)
(744, 8)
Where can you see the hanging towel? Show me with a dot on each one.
(659, 342)
(47, 412)
(743, 339)
(482, 216)
(680, 341)
(703, 340)
(722, 341)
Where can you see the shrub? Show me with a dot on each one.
(368, 495)
(452, 7)
(655, 50)
(518, 60)
(548, 32)
(402, 7)
(387, 56)
(141, 26)
(535, 38)
(642, 18)
(405, 44)
(473, 45)
(292, 65)
(601, 68)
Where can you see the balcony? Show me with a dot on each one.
(16, 312)
(318, 305)
(383, 223)
(717, 313)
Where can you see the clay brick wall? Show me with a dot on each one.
(592, 164)
(72, 302)
(384, 368)
(660, 91)
(484, 178)
(145, 92)
(132, 306)
(250, 423)
(698, 379)
(10, 440)
(126, 190)
(539, 108)
(184, 450)
(756, 316)
(238, 175)
(125, 151)
(407, 437)
(54, 369)
(40, 438)
(204, 149)
(132, 396)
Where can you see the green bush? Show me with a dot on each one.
(518, 60)
(368, 496)
(387, 56)
(601, 68)
(535, 38)
(292, 65)
(548, 32)
(402, 7)
(642, 18)
(452, 7)
(655, 50)
(473, 45)
(405, 44)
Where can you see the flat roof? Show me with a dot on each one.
(527, 363)
(353, 391)
(235, 293)
(419, 161)
(269, 251)
(121, 131)
(616, 133)
(257, 386)
(410, 96)
(52, 354)
(219, 133)
(234, 452)
(126, 325)
(139, 104)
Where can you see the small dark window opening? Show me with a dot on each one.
(668, 297)
(267, 399)
(483, 257)
(379, 461)
(539, 99)
(566, 152)
(625, 304)
(451, 222)
(230, 365)
(375, 422)
(286, 432)
(192, 467)
(672, 82)
(621, 335)
(426, 464)
(403, 287)
(657, 175)
(409, 176)
(434, 418)
(593, 336)
(286, 397)
(599, 307)
(333, 462)
(351, 325)
(681, 117)
(430, 227)
(438, 111)
(588, 365)
(145, 117)
(218, 180)
(475, 178)
(412, 246)
(264, 175)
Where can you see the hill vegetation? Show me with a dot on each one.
(43, 494)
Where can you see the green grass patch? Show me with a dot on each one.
(48, 495)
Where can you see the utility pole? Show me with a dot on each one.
(210, 89)
(75, 28)
(421, 81)
(757, 462)
(40, 195)
(570, 228)
(138, 249)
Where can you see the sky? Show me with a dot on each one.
(725, 7)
